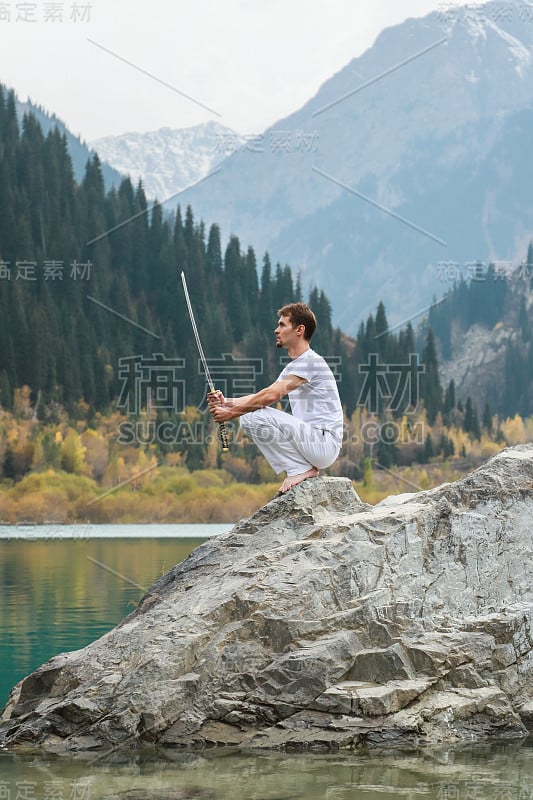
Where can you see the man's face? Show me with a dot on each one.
(285, 333)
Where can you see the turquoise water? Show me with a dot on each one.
(64, 586)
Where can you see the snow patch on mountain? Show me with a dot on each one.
(476, 26)
(169, 160)
(519, 51)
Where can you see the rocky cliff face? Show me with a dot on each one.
(479, 354)
(318, 622)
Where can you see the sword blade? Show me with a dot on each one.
(223, 433)
(196, 334)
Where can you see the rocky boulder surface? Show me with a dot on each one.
(319, 622)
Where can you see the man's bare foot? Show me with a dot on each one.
(294, 480)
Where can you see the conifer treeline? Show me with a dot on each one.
(78, 266)
(57, 337)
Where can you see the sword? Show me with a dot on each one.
(223, 432)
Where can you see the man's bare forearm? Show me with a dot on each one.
(251, 402)
(225, 408)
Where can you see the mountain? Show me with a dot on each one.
(79, 151)
(169, 160)
(380, 178)
(484, 331)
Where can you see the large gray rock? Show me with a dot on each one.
(319, 622)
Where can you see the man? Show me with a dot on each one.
(310, 438)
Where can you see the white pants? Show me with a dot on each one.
(288, 443)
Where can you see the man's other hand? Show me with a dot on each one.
(215, 399)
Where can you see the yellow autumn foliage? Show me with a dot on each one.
(72, 470)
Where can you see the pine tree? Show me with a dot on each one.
(146, 241)
(320, 305)
(431, 391)
(449, 397)
(9, 469)
(487, 418)
(381, 335)
(188, 228)
(369, 341)
(429, 448)
(279, 295)
(386, 454)
(449, 402)
(267, 309)
(213, 260)
(6, 393)
(251, 288)
(446, 446)
(471, 421)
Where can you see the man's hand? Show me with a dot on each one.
(223, 413)
(220, 407)
(215, 399)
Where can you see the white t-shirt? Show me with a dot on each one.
(317, 400)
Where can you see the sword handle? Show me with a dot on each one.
(224, 438)
(222, 432)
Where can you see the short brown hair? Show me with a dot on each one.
(300, 314)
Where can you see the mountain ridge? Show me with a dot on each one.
(169, 160)
(411, 131)
(388, 131)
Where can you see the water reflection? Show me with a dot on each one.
(59, 595)
(482, 772)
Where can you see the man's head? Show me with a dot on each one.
(299, 314)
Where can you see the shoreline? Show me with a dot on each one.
(176, 497)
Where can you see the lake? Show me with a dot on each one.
(64, 586)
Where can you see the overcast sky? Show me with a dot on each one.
(250, 62)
